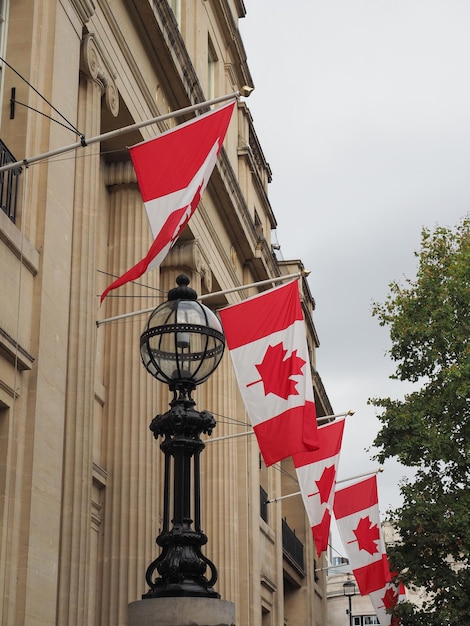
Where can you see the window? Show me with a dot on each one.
(365, 620)
(211, 65)
(3, 35)
(266, 617)
(176, 8)
(258, 226)
(263, 504)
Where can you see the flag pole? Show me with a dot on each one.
(343, 480)
(328, 567)
(118, 131)
(268, 281)
(251, 432)
(327, 418)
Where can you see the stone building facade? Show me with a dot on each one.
(80, 473)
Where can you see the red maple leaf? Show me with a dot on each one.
(390, 598)
(367, 535)
(321, 532)
(276, 372)
(325, 483)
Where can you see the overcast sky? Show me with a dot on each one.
(362, 109)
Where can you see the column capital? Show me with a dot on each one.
(119, 173)
(96, 65)
(189, 255)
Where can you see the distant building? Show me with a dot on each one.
(362, 611)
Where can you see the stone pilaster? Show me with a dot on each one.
(76, 562)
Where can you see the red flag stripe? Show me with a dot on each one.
(258, 320)
(329, 441)
(290, 431)
(356, 497)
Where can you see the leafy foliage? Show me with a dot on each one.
(429, 430)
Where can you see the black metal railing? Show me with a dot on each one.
(292, 547)
(8, 183)
(263, 504)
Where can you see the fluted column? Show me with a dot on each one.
(74, 606)
(132, 461)
(221, 478)
(219, 469)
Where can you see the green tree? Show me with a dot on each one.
(429, 430)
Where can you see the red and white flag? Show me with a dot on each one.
(265, 335)
(356, 508)
(383, 600)
(316, 471)
(172, 171)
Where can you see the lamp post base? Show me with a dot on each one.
(181, 612)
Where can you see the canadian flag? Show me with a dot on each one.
(383, 600)
(356, 508)
(172, 171)
(265, 335)
(316, 471)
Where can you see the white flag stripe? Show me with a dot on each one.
(346, 526)
(259, 406)
(307, 476)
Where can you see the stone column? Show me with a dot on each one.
(74, 587)
(132, 460)
(218, 479)
(221, 478)
(219, 467)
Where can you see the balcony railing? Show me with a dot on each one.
(8, 183)
(293, 548)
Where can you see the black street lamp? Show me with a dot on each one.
(181, 345)
(349, 590)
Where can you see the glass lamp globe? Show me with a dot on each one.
(182, 342)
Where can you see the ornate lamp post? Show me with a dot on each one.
(349, 590)
(181, 345)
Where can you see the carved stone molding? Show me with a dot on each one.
(84, 8)
(95, 65)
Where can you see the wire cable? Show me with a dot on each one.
(71, 126)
